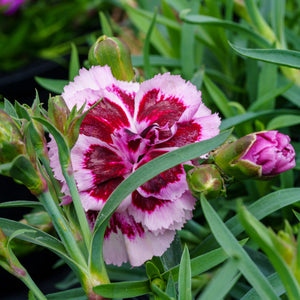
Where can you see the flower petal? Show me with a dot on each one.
(167, 185)
(166, 99)
(127, 240)
(156, 214)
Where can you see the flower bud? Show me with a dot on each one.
(58, 112)
(287, 247)
(114, 53)
(11, 141)
(205, 179)
(257, 155)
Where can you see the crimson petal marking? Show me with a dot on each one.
(104, 163)
(103, 120)
(97, 196)
(155, 107)
(167, 183)
(186, 133)
(146, 204)
(126, 97)
(126, 224)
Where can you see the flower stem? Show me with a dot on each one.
(62, 228)
(82, 219)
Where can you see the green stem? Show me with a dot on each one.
(62, 228)
(14, 267)
(82, 219)
(33, 287)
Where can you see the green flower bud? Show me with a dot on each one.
(114, 53)
(205, 179)
(11, 140)
(58, 113)
(227, 157)
(286, 245)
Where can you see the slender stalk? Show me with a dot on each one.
(14, 267)
(62, 228)
(82, 219)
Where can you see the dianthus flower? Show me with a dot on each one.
(133, 124)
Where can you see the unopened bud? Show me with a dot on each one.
(206, 180)
(115, 53)
(11, 141)
(256, 155)
(58, 112)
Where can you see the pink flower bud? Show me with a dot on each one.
(261, 154)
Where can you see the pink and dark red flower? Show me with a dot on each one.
(133, 124)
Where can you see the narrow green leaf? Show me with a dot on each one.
(222, 282)
(53, 85)
(171, 289)
(281, 57)
(274, 281)
(233, 26)
(218, 98)
(267, 81)
(156, 61)
(146, 51)
(233, 249)
(73, 294)
(123, 289)
(259, 209)
(159, 294)
(263, 100)
(202, 263)
(262, 236)
(184, 277)
(106, 28)
(74, 62)
(21, 203)
(277, 20)
(37, 237)
(258, 21)
(283, 121)
(236, 120)
(9, 109)
(142, 21)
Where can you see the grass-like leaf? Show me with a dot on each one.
(74, 63)
(37, 237)
(259, 209)
(283, 121)
(21, 203)
(235, 27)
(281, 57)
(184, 278)
(231, 246)
(262, 236)
(123, 289)
(53, 85)
(222, 281)
(274, 281)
